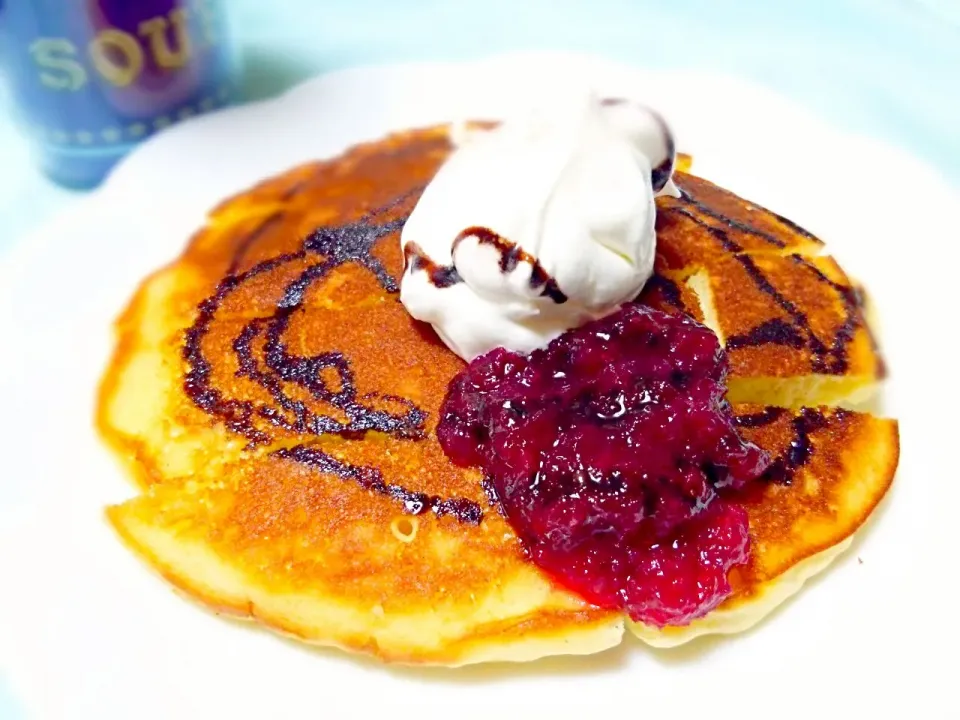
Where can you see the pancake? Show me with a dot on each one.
(791, 320)
(277, 408)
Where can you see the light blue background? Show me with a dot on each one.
(887, 68)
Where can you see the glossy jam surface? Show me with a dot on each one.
(614, 456)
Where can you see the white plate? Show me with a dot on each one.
(87, 631)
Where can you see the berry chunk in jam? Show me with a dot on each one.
(614, 456)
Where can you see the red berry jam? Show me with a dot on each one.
(614, 456)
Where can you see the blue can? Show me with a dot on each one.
(92, 78)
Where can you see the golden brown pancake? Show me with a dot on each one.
(277, 407)
(791, 320)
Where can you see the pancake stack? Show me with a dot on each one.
(276, 406)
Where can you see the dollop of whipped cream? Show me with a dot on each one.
(538, 225)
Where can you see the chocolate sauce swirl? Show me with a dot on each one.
(771, 332)
(440, 276)
(668, 288)
(414, 503)
(765, 417)
(279, 369)
(662, 172)
(511, 255)
(800, 449)
(735, 224)
(795, 330)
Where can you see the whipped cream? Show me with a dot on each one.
(538, 225)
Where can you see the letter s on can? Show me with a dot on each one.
(59, 69)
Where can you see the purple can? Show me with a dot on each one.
(92, 78)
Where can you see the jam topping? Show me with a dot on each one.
(615, 457)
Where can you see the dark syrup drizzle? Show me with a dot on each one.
(735, 224)
(775, 332)
(668, 288)
(440, 276)
(796, 332)
(511, 255)
(788, 223)
(414, 503)
(353, 243)
(661, 174)
(333, 247)
(844, 336)
(765, 417)
(800, 449)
